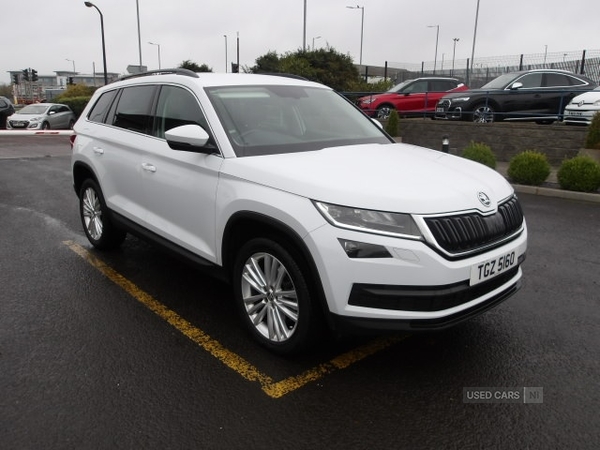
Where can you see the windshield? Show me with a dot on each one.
(399, 87)
(33, 109)
(262, 120)
(501, 82)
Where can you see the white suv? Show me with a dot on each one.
(303, 203)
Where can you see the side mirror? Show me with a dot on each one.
(189, 138)
(516, 86)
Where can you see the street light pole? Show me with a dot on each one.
(67, 59)
(362, 29)
(137, 5)
(316, 37)
(225, 36)
(304, 32)
(91, 5)
(474, 37)
(437, 38)
(157, 45)
(454, 53)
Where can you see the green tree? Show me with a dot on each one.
(325, 65)
(6, 90)
(191, 65)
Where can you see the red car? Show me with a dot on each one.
(415, 97)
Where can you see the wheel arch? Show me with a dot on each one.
(81, 172)
(246, 225)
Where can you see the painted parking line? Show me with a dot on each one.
(271, 387)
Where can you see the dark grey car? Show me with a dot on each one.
(6, 109)
(539, 95)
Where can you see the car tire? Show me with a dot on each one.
(273, 298)
(483, 113)
(71, 124)
(95, 218)
(45, 126)
(384, 111)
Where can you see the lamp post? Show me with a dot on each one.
(91, 5)
(454, 53)
(158, 46)
(67, 59)
(316, 37)
(225, 36)
(137, 7)
(437, 38)
(304, 31)
(362, 28)
(474, 38)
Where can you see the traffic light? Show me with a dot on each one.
(15, 78)
(34, 75)
(26, 74)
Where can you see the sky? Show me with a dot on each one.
(54, 35)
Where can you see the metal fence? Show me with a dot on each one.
(487, 68)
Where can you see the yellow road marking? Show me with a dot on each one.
(274, 389)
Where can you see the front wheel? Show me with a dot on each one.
(99, 229)
(483, 113)
(273, 297)
(384, 111)
(45, 126)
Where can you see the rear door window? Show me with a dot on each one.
(134, 109)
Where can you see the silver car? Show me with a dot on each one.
(42, 116)
(581, 109)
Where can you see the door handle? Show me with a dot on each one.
(149, 167)
(98, 151)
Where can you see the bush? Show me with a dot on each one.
(392, 124)
(581, 174)
(529, 167)
(480, 152)
(77, 104)
(593, 136)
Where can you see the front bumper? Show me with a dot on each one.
(416, 287)
(581, 116)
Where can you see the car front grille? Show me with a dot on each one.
(467, 233)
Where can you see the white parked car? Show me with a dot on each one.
(582, 108)
(42, 116)
(311, 211)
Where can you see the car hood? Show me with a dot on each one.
(390, 177)
(588, 97)
(18, 116)
(383, 95)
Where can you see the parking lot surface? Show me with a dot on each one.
(134, 349)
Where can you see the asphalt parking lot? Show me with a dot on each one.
(133, 349)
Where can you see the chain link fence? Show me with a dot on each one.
(485, 69)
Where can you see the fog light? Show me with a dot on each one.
(355, 249)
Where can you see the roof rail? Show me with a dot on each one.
(178, 71)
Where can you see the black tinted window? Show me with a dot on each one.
(98, 111)
(557, 80)
(531, 80)
(176, 107)
(134, 108)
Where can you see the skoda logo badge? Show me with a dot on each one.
(484, 199)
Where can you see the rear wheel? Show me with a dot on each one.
(99, 229)
(273, 297)
(483, 113)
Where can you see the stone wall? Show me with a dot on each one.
(506, 139)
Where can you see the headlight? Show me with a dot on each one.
(366, 101)
(460, 99)
(35, 119)
(597, 103)
(366, 220)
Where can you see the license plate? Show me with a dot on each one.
(18, 124)
(574, 113)
(439, 110)
(491, 268)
